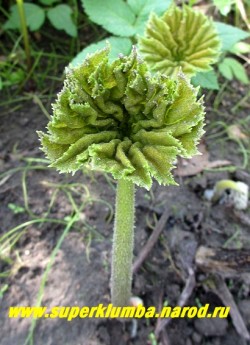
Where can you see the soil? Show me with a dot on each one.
(81, 271)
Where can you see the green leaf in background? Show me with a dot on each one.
(192, 2)
(231, 68)
(48, 2)
(113, 15)
(123, 18)
(181, 38)
(119, 45)
(241, 48)
(230, 35)
(143, 8)
(60, 18)
(34, 14)
(224, 6)
(208, 80)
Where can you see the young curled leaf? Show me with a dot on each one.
(118, 118)
(181, 38)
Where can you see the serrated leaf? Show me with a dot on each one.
(114, 16)
(230, 35)
(121, 119)
(119, 45)
(60, 18)
(208, 80)
(224, 6)
(143, 8)
(231, 68)
(123, 18)
(34, 16)
(181, 38)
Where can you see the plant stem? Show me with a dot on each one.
(24, 32)
(123, 243)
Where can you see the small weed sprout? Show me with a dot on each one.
(118, 118)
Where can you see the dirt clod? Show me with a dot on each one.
(211, 327)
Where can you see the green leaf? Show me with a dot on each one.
(113, 15)
(224, 6)
(240, 48)
(60, 18)
(181, 38)
(119, 45)
(48, 2)
(231, 68)
(16, 208)
(143, 8)
(123, 18)
(230, 35)
(34, 15)
(226, 70)
(192, 2)
(208, 80)
(120, 119)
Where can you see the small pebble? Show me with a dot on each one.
(189, 342)
(197, 338)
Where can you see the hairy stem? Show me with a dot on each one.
(123, 242)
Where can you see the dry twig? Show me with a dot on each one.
(186, 293)
(220, 289)
(151, 241)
